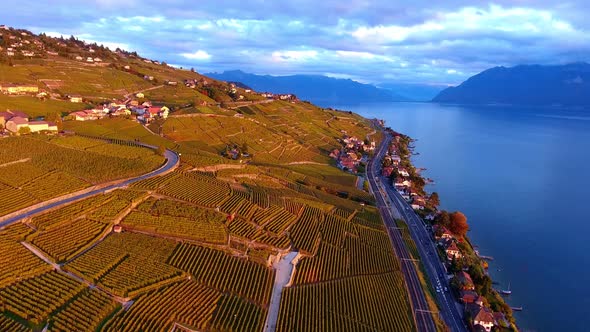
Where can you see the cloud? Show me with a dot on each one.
(377, 41)
(199, 55)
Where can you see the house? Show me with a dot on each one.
(97, 60)
(468, 296)
(446, 234)
(403, 172)
(173, 83)
(139, 95)
(89, 59)
(465, 282)
(79, 58)
(126, 67)
(387, 171)
(484, 318)
(75, 99)
(38, 126)
(82, 116)
(417, 205)
(16, 123)
(17, 89)
(52, 53)
(117, 229)
(453, 251)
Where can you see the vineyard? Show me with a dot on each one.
(34, 299)
(184, 228)
(216, 269)
(201, 190)
(364, 303)
(186, 302)
(16, 262)
(64, 241)
(44, 169)
(85, 313)
(127, 264)
(9, 325)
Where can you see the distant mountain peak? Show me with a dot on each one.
(540, 85)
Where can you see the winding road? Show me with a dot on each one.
(172, 160)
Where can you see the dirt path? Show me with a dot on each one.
(37, 252)
(283, 270)
(16, 162)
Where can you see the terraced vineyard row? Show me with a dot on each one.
(12, 199)
(16, 232)
(17, 262)
(236, 314)
(305, 233)
(334, 230)
(127, 263)
(9, 325)
(64, 241)
(365, 303)
(85, 313)
(69, 212)
(155, 182)
(35, 298)
(186, 302)
(204, 193)
(201, 230)
(218, 270)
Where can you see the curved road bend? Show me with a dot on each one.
(172, 160)
(434, 269)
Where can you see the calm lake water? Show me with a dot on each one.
(521, 175)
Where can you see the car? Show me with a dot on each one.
(438, 290)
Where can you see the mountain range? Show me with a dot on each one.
(534, 85)
(318, 89)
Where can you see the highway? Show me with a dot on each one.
(391, 204)
(172, 160)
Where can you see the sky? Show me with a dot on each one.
(381, 41)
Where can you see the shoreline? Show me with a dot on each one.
(456, 251)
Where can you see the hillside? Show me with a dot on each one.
(567, 85)
(318, 89)
(64, 67)
(196, 248)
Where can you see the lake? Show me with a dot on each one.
(520, 175)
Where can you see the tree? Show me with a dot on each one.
(458, 224)
(161, 150)
(55, 118)
(443, 219)
(24, 130)
(434, 199)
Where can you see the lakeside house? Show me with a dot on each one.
(453, 251)
(464, 281)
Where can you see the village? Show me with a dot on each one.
(457, 254)
(352, 157)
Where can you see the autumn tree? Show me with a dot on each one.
(55, 118)
(443, 219)
(161, 151)
(458, 223)
(434, 200)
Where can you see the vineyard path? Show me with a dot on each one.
(283, 271)
(57, 267)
